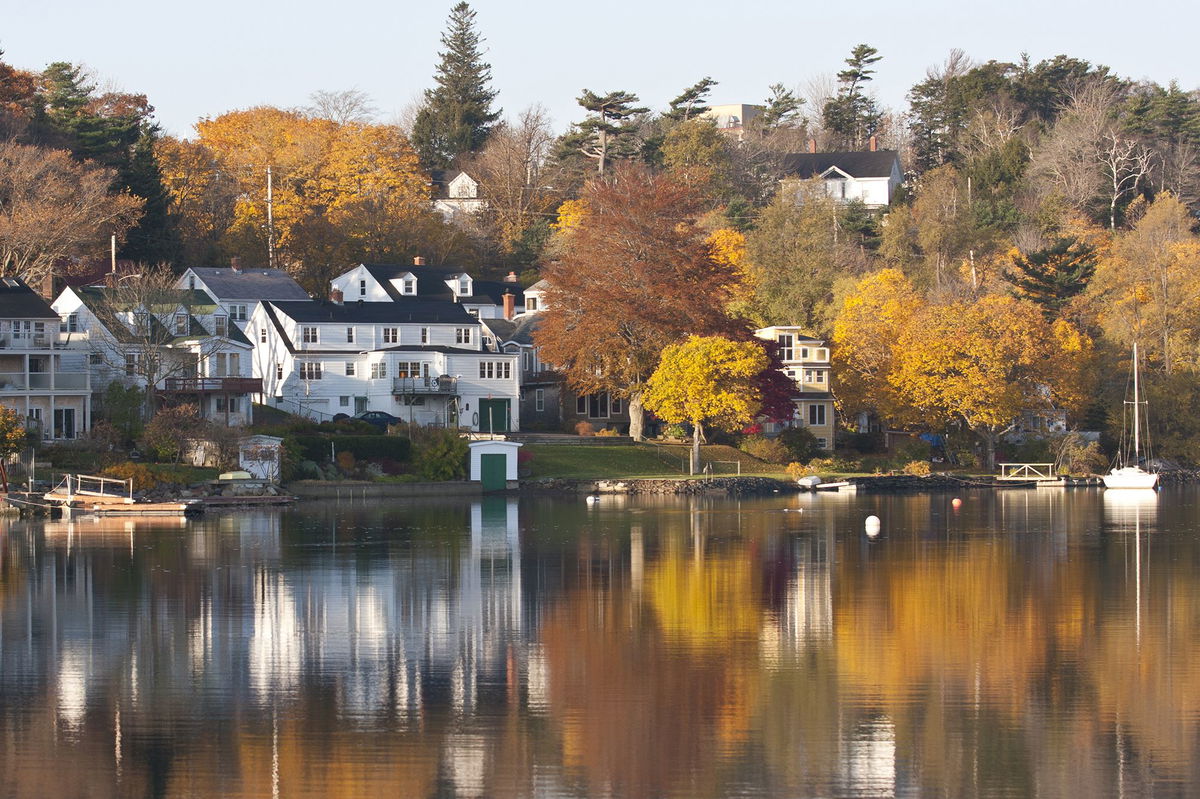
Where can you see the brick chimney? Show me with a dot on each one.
(511, 277)
(874, 143)
(418, 260)
(812, 145)
(336, 296)
(510, 305)
(235, 263)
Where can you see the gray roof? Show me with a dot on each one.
(250, 284)
(18, 301)
(877, 164)
(515, 331)
(431, 283)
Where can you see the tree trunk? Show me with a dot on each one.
(697, 434)
(989, 442)
(637, 417)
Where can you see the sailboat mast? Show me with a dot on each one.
(1136, 420)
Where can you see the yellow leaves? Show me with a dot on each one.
(570, 216)
(707, 379)
(728, 248)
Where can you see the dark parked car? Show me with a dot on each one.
(380, 419)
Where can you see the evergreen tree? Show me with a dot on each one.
(1052, 276)
(610, 132)
(782, 108)
(155, 239)
(457, 115)
(691, 103)
(852, 116)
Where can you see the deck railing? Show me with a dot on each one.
(1027, 471)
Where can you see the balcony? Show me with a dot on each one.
(43, 381)
(212, 385)
(443, 384)
(26, 341)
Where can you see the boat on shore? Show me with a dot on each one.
(1131, 475)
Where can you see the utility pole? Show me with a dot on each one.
(270, 221)
(114, 256)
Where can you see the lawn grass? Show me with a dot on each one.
(632, 461)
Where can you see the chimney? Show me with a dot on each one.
(235, 263)
(874, 143)
(336, 296)
(812, 145)
(418, 261)
(510, 305)
(511, 277)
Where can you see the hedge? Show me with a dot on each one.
(364, 448)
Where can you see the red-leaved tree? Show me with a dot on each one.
(635, 276)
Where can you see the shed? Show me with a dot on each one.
(494, 464)
(260, 455)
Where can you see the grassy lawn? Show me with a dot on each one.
(637, 461)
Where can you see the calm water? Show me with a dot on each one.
(1030, 643)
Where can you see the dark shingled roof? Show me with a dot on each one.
(18, 301)
(250, 284)
(401, 309)
(431, 283)
(516, 331)
(876, 164)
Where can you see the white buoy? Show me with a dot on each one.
(592, 499)
(871, 525)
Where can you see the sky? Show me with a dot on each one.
(200, 60)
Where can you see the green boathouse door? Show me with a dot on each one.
(493, 472)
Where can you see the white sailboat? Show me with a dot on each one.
(1132, 475)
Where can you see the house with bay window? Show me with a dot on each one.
(806, 362)
(180, 344)
(421, 360)
(40, 379)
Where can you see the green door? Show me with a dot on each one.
(493, 472)
(493, 416)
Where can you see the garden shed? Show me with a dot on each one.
(494, 464)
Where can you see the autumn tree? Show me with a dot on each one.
(54, 209)
(699, 154)
(13, 438)
(706, 380)
(628, 283)
(1053, 275)
(457, 115)
(983, 362)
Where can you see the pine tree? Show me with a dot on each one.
(610, 131)
(457, 115)
(782, 108)
(1052, 276)
(852, 115)
(691, 102)
(155, 239)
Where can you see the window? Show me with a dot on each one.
(70, 324)
(344, 402)
(822, 443)
(350, 368)
(235, 364)
(231, 406)
(132, 361)
(539, 399)
(410, 286)
(221, 325)
(615, 404)
(308, 335)
(581, 404)
(262, 334)
(804, 353)
(218, 365)
(820, 375)
(531, 304)
(310, 370)
(278, 370)
(412, 369)
(495, 370)
(181, 324)
(95, 358)
(816, 414)
(192, 282)
(528, 361)
(464, 286)
(424, 335)
(349, 335)
(362, 288)
(379, 370)
(473, 312)
(822, 354)
(810, 376)
(785, 345)
(237, 312)
(462, 335)
(391, 335)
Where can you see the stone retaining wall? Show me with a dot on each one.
(733, 486)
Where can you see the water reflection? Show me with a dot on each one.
(1025, 643)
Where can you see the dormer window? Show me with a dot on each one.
(464, 286)
(410, 285)
(531, 304)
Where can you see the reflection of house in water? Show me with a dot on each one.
(804, 608)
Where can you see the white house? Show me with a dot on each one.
(806, 362)
(420, 360)
(387, 282)
(871, 176)
(39, 379)
(238, 290)
(456, 195)
(183, 342)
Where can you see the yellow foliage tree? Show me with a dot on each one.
(728, 248)
(706, 380)
(983, 362)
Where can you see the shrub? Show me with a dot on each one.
(443, 456)
(141, 474)
(346, 461)
(584, 429)
(364, 448)
(912, 450)
(918, 468)
(608, 432)
(765, 449)
(797, 470)
(675, 431)
(801, 444)
(1077, 455)
(167, 434)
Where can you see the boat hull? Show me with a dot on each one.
(1130, 477)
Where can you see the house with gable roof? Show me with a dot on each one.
(456, 194)
(387, 282)
(42, 380)
(182, 345)
(806, 362)
(871, 177)
(238, 290)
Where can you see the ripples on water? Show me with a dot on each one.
(1031, 643)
